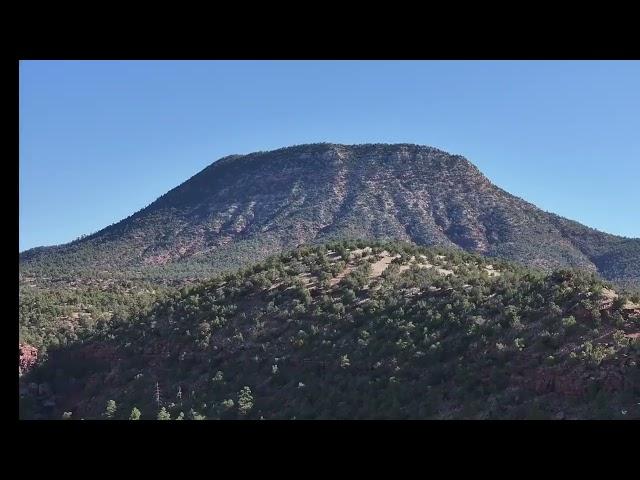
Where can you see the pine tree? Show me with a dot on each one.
(163, 414)
(110, 411)
(135, 414)
(245, 401)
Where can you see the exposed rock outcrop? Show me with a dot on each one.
(28, 358)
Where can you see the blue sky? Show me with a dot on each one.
(100, 140)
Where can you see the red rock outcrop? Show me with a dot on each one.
(28, 357)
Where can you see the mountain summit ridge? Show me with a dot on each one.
(242, 208)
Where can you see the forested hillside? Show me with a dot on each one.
(357, 330)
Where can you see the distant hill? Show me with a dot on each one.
(244, 208)
(358, 330)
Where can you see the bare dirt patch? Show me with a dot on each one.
(336, 280)
(307, 278)
(359, 251)
(381, 265)
(492, 271)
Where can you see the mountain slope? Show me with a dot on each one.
(243, 208)
(364, 330)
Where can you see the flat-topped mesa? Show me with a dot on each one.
(243, 208)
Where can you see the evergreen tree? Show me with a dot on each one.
(135, 414)
(245, 401)
(110, 411)
(163, 414)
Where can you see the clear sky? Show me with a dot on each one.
(100, 140)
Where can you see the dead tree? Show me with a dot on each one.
(157, 395)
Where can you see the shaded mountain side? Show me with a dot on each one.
(615, 258)
(243, 208)
(356, 331)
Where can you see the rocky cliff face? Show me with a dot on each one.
(240, 209)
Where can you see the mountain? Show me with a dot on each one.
(358, 330)
(243, 208)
